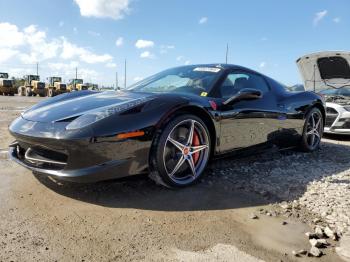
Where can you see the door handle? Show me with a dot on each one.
(281, 106)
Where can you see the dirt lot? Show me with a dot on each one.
(134, 219)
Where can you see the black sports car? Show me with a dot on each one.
(168, 125)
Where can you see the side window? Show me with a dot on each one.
(237, 81)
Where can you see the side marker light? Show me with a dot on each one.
(130, 134)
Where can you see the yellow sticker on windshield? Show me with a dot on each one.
(204, 94)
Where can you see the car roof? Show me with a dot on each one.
(220, 65)
(225, 67)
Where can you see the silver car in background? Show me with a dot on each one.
(328, 73)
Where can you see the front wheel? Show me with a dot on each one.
(180, 152)
(313, 130)
(28, 92)
(20, 91)
(50, 93)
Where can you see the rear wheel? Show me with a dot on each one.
(313, 131)
(28, 92)
(180, 152)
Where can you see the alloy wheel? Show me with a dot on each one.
(186, 151)
(314, 129)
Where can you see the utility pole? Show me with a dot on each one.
(314, 77)
(116, 81)
(125, 74)
(76, 77)
(37, 68)
(226, 53)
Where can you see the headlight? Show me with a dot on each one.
(98, 114)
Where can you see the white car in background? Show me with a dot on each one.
(328, 73)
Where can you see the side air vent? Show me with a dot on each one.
(331, 110)
(331, 116)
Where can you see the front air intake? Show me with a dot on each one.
(41, 157)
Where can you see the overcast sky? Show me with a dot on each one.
(97, 35)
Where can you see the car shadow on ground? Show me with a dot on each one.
(232, 182)
(140, 192)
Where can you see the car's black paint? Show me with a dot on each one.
(95, 153)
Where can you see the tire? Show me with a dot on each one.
(28, 92)
(173, 161)
(50, 93)
(312, 131)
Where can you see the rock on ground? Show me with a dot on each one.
(315, 252)
(318, 182)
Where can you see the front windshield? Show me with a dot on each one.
(4, 75)
(344, 91)
(187, 79)
(34, 77)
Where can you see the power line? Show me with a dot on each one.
(18, 65)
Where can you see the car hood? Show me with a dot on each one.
(325, 70)
(74, 104)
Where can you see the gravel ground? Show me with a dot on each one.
(320, 181)
(250, 207)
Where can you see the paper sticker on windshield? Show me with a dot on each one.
(204, 94)
(207, 69)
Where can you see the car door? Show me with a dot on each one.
(246, 123)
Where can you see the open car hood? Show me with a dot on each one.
(325, 70)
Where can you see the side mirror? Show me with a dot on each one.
(244, 94)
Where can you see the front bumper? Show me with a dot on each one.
(50, 150)
(337, 119)
(105, 171)
(328, 130)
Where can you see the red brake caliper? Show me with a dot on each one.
(195, 142)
